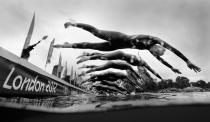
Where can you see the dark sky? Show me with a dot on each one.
(182, 23)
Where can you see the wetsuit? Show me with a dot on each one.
(132, 59)
(111, 76)
(117, 40)
(117, 64)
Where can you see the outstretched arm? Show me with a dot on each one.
(178, 53)
(31, 47)
(151, 70)
(167, 64)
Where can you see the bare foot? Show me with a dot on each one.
(70, 23)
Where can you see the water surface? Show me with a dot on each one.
(92, 103)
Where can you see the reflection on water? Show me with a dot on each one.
(107, 102)
(67, 101)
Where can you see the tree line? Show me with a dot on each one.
(180, 82)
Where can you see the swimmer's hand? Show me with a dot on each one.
(44, 37)
(176, 71)
(193, 67)
(159, 77)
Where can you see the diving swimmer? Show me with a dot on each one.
(111, 76)
(117, 64)
(117, 40)
(114, 55)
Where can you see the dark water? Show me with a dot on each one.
(193, 106)
(86, 103)
(68, 101)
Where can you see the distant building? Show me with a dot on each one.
(66, 78)
(55, 71)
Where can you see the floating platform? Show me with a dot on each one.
(21, 78)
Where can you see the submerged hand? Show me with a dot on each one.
(193, 67)
(176, 71)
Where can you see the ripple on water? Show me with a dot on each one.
(84, 102)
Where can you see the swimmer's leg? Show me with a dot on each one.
(102, 34)
(104, 46)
